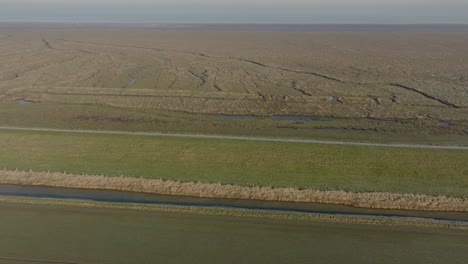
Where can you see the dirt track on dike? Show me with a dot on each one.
(270, 139)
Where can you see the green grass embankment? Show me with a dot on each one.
(245, 163)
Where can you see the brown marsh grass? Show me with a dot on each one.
(374, 200)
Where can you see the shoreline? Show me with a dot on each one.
(370, 200)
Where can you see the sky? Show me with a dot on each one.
(239, 11)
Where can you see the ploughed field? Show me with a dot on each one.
(382, 83)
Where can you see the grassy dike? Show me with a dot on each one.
(237, 162)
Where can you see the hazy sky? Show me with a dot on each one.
(238, 11)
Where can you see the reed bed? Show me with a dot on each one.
(374, 200)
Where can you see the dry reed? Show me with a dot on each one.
(375, 200)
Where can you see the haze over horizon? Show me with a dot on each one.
(242, 11)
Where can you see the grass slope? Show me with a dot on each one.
(278, 164)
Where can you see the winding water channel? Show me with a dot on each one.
(144, 198)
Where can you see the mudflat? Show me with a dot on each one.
(386, 82)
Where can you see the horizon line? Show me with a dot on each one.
(231, 23)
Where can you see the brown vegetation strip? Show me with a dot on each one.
(375, 200)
